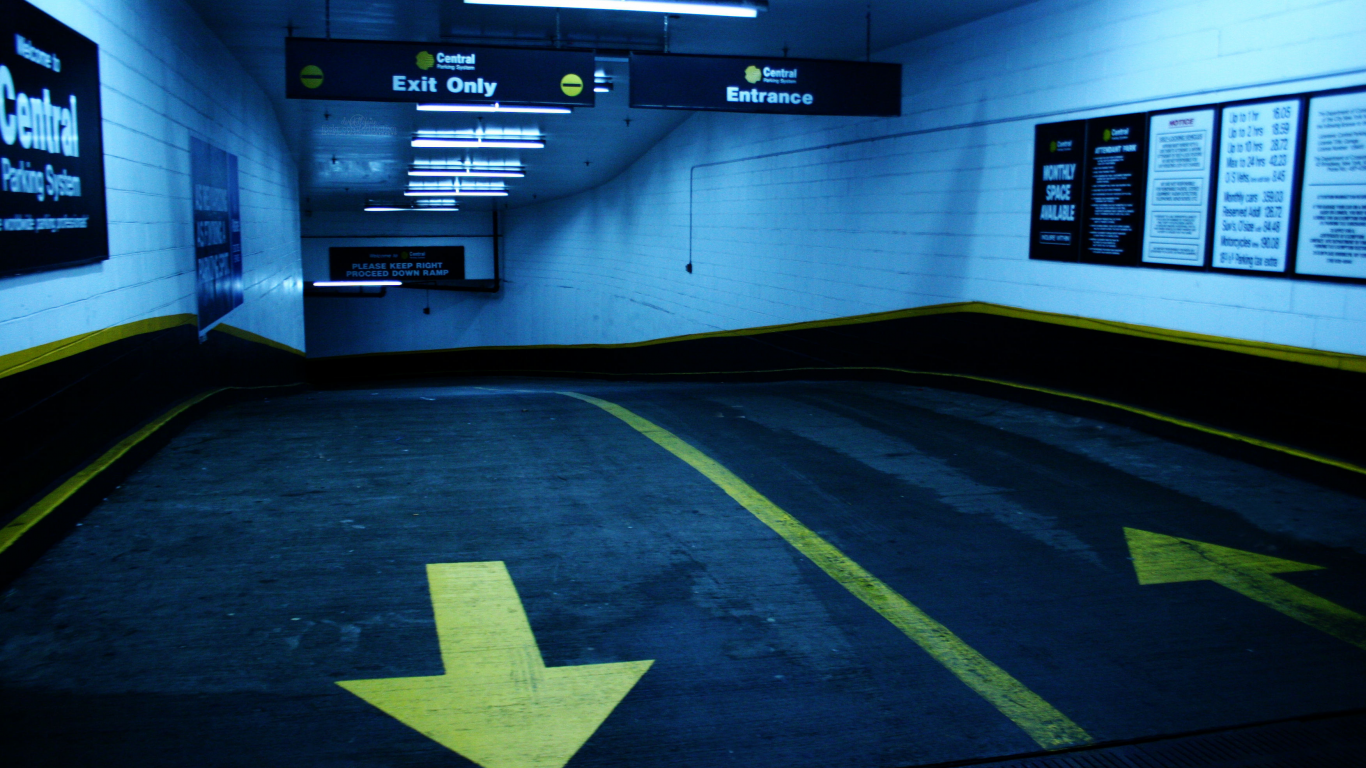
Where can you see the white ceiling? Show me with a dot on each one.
(351, 152)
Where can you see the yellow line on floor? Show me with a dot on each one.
(1045, 724)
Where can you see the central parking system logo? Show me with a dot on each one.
(753, 74)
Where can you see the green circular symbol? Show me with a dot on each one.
(311, 76)
(425, 60)
(571, 84)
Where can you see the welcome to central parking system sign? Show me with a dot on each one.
(52, 210)
(356, 70)
(749, 84)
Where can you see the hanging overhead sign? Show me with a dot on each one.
(217, 230)
(435, 262)
(751, 84)
(52, 210)
(358, 70)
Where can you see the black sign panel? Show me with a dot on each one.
(217, 231)
(753, 84)
(1055, 230)
(437, 262)
(354, 70)
(1116, 176)
(52, 160)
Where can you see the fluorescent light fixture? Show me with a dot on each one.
(353, 283)
(494, 107)
(651, 6)
(602, 87)
(489, 173)
(443, 206)
(456, 193)
(475, 141)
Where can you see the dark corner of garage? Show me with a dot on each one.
(607, 383)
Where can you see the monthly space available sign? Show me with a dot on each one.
(1256, 185)
(1059, 173)
(217, 230)
(1332, 235)
(52, 210)
(1180, 156)
(435, 262)
(356, 70)
(750, 84)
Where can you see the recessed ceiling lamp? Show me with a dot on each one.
(602, 86)
(475, 142)
(456, 193)
(461, 171)
(740, 10)
(352, 283)
(495, 107)
(442, 205)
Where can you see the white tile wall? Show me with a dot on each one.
(164, 77)
(938, 213)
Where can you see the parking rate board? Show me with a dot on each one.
(1059, 174)
(1256, 175)
(359, 70)
(1115, 176)
(1180, 159)
(1332, 231)
(756, 84)
(52, 210)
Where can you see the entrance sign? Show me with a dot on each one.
(1257, 157)
(52, 211)
(1180, 156)
(1332, 231)
(750, 84)
(217, 231)
(1115, 176)
(357, 70)
(1059, 171)
(437, 262)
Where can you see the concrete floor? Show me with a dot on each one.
(204, 612)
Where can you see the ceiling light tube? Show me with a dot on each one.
(494, 107)
(475, 172)
(651, 6)
(353, 283)
(474, 143)
(456, 193)
(389, 208)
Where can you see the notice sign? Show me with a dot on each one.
(753, 84)
(1180, 157)
(52, 160)
(354, 70)
(1332, 234)
(437, 262)
(217, 230)
(1059, 165)
(1256, 182)
(1115, 176)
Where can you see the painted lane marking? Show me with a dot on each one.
(498, 704)
(1045, 724)
(1160, 559)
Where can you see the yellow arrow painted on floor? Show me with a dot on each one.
(498, 704)
(1160, 559)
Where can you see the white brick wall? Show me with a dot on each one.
(940, 212)
(164, 76)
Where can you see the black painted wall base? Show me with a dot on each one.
(58, 417)
(1312, 408)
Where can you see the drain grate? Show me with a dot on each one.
(1330, 742)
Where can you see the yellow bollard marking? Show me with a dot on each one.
(1045, 724)
(1160, 559)
(498, 704)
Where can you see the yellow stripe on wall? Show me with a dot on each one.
(28, 359)
(1339, 360)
